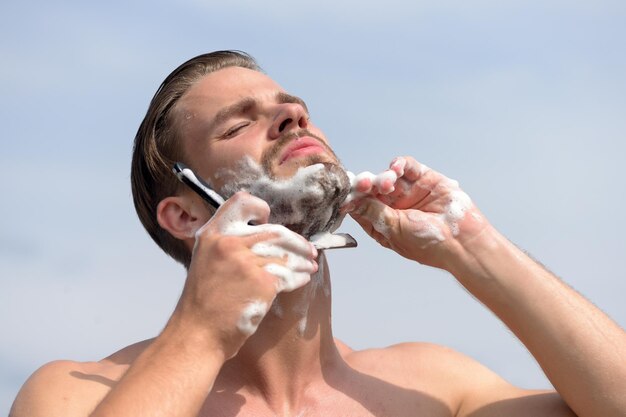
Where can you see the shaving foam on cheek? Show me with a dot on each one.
(251, 316)
(308, 202)
(279, 192)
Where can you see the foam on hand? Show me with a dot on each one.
(383, 183)
(458, 204)
(426, 228)
(285, 244)
(294, 274)
(251, 317)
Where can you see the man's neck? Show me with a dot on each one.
(291, 348)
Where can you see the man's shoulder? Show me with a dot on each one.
(417, 354)
(66, 387)
(57, 388)
(420, 365)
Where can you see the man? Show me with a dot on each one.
(251, 334)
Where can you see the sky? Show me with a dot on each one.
(522, 102)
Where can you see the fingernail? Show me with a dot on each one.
(398, 165)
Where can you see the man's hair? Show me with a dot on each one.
(158, 144)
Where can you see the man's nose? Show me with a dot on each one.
(290, 116)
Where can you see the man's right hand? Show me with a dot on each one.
(239, 264)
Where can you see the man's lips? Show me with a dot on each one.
(301, 147)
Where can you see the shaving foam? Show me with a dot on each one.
(325, 240)
(251, 316)
(425, 229)
(375, 182)
(284, 244)
(458, 203)
(308, 202)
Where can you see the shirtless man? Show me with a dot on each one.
(226, 352)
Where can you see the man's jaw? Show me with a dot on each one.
(307, 201)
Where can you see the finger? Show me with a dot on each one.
(401, 188)
(232, 217)
(411, 169)
(415, 186)
(398, 165)
(363, 182)
(424, 177)
(246, 208)
(382, 218)
(369, 229)
(386, 181)
(368, 183)
(291, 260)
(287, 280)
(289, 265)
(288, 240)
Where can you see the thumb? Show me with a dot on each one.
(375, 216)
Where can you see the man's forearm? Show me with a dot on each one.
(172, 377)
(581, 350)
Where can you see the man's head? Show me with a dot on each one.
(222, 116)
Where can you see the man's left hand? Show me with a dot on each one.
(416, 211)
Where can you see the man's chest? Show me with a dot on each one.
(388, 401)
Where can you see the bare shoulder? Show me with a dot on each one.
(69, 388)
(460, 381)
(415, 361)
(429, 369)
(62, 388)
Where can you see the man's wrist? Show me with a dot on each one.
(200, 342)
(473, 256)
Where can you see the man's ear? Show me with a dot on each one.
(181, 217)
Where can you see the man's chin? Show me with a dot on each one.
(307, 200)
(317, 206)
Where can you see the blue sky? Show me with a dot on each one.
(522, 102)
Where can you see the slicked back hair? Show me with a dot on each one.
(158, 145)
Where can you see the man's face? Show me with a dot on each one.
(236, 112)
(240, 128)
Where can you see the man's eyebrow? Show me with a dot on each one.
(247, 103)
(242, 106)
(282, 97)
